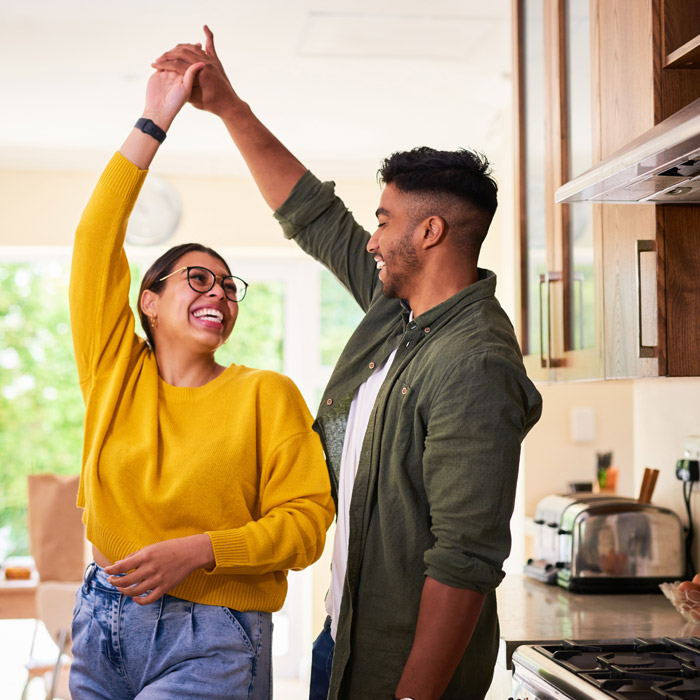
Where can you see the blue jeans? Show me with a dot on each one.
(321, 662)
(169, 649)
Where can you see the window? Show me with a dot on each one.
(41, 408)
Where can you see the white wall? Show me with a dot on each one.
(666, 411)
(553, 458)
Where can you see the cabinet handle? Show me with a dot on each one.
(549, 361)
(543, 361)
(578, 279)
(643, 247)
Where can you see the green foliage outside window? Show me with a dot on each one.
(340, 314)
(258, 336)
(41, 408)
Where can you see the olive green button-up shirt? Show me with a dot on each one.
(435, 485)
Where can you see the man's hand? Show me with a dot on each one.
(212, 90)
(158, 568)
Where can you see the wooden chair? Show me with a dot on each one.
(54, 601)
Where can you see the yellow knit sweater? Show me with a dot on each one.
(235, 458)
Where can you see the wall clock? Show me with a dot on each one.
(156, 215)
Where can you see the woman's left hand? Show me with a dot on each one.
(147, 575)
(167, 92)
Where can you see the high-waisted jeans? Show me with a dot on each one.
(168, 649)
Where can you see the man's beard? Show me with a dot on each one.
(403, 262)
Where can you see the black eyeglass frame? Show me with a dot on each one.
(241, 289)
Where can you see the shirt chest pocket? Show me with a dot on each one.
(403, 428)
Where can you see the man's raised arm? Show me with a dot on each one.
(274, 169)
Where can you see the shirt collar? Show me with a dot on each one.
(484, 287)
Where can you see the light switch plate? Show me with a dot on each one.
(582, 424)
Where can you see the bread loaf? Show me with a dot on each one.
(18, 573)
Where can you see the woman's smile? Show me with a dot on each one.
(209, 316)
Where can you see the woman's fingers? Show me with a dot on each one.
(182, 55)
(190, 75)
(122, 566)
(133, 589)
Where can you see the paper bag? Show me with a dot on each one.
(56, 531)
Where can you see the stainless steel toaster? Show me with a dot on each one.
(599, 543)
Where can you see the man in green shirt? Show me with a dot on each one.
(422, 419)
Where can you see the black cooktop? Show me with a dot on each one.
(640, 669)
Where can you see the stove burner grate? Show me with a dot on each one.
(666, 669)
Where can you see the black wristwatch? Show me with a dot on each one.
(151, 128)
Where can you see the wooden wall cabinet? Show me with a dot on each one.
(650, 254)
(642, 295)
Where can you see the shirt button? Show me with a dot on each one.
(427, 330)
(404, 390)
(329, 402)
(371, 365)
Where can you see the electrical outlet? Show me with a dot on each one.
(688, 468)
(691, 447)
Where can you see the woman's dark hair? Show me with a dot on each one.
(163, 266)
(463, 174)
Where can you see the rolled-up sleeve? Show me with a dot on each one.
(470, 470)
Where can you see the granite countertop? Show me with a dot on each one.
(531, 612)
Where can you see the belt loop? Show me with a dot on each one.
(88, 575)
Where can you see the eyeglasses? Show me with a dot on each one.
(202, 280)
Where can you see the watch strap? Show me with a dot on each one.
(151, 128)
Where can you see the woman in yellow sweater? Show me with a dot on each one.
(201, 485)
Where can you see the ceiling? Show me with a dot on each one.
(342, 84)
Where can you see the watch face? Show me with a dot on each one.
(156, 215)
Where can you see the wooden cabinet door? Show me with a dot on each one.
(531, 225)
(623, 52)
(559, 321)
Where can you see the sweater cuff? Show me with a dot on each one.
(230, 549)
(122, 178)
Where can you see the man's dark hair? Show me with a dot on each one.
(455, 185)
(463, 174)
(162, 267)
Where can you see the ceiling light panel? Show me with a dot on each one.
(395, 36)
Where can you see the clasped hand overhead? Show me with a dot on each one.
(211, 90)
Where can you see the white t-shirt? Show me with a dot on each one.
(358, 418)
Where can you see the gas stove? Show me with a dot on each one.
(636, 669)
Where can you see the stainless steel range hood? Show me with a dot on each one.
(660, 166)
